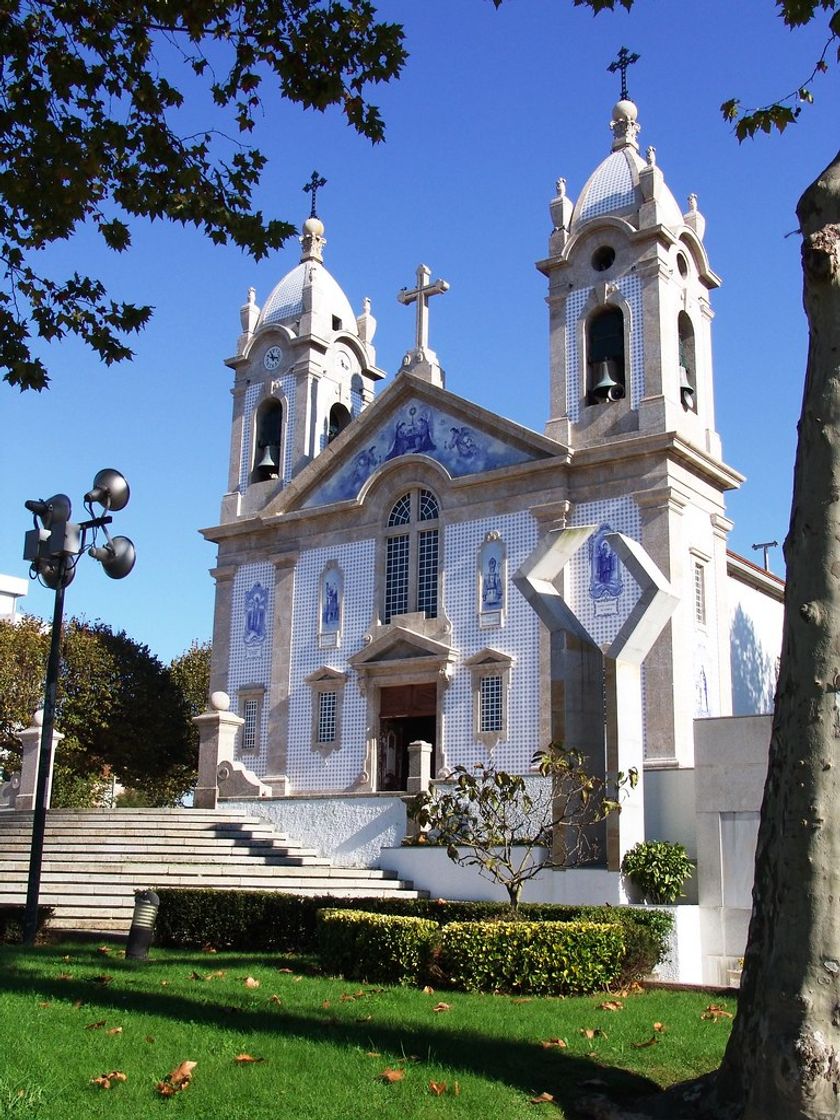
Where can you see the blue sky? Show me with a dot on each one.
(493, 107)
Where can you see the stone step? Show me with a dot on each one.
(95, 860)
(58, 871)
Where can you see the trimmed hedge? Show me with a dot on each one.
(540, 958)
(11, 922)
(269, 920)
(386, 947)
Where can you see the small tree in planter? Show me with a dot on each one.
(492, 820)
(658, 869)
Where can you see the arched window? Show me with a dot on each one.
(412, 547)
(339, 419)
(688, 362)
(605, 351)
(267, 446)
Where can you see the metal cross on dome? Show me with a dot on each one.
(312, 188)
(625, 59)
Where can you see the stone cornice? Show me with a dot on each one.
(742, 570)
(711, 470)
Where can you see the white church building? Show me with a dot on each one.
(406, 566)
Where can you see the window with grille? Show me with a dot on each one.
(490, 704)
(326, 717)
(699, 594)
(250, 714)
(412, 551)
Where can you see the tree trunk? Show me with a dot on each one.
(783, 1059)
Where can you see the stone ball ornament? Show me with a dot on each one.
(219, 701)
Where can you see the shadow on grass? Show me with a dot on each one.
(524, 1066)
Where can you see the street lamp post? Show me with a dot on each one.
(54, 547)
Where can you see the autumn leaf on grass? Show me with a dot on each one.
(611, 1005)
(65, 976)
(250, 982)
(521, 999)
(373, 1054)
(77, 1003)
(554, 1044)
(427, 991)
(195, 975)
(659, 1026)
(442, 1007)
(104, 978)
(98, 1025)
(652, 1041)
(389, 1075)
(456, 1088)
(247, 1059)
(177, 1080)
(274, 999)
(590, 1032)
(364, 1018)
(285, 970)
(44, 1003)
(106, 1080)
(715, 1011)
(325, 1004)
(437, 1087)
(543, 1098)
(104, 949)
(346, 997)
(115, 1030)
(209, 949)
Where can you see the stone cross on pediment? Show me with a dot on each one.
(421, 295)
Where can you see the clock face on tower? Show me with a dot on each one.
(272, 357)
(343, 360)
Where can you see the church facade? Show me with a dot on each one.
(368, 543)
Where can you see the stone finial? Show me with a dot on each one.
(693, 218)
(365, 323)
(625, 126)
(249, 315)
(219, 701)
(560, 208)
(651, 155)
(312, 240)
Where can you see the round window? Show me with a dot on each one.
(603, 258)
(682, 265)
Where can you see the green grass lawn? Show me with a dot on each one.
(70, 1013)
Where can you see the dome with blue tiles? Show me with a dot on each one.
(613, 188)
(309, 287)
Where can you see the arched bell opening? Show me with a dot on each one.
(688, 362)
(605, 353)
(339, 419)
(268, 442)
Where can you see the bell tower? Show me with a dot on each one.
(630, 318)
(305, 367)
(632, 397)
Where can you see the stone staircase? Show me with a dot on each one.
(94, 860)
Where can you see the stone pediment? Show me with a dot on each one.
(413, 418)
(397, 643)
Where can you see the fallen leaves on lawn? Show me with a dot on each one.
(652, 1041)
(373, 1054)
(209, 949)
(164, 983)
(659, 1026)
(98, 1025)
(64, 976)
(521, 999)
(427, 991)
(44, 1003)
(611, 1005)
(177, 1080)
(285, 970)
(438, 1088)
(77, 1003)
(247, 1059)
(442, 1006)
(274, 999)
(715, 1011)
(114, 1030)
(554, 1044)
(592, 1032)
(219, 974)
(389, 1075)
(106, 1080)
(103, 979)
(326, 1004)
(196, 975)
(250, 982)
(104, 949)
(543, 1098)
(364, 1018)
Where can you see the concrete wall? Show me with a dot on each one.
(669, 807)
(731, 767)
(12, 588)
(351, 830)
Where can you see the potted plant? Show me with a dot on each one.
(658, 869)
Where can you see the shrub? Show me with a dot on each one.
(270, 920)
(659, 869)
(11, 922)
(383, 947)
(541, 958)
